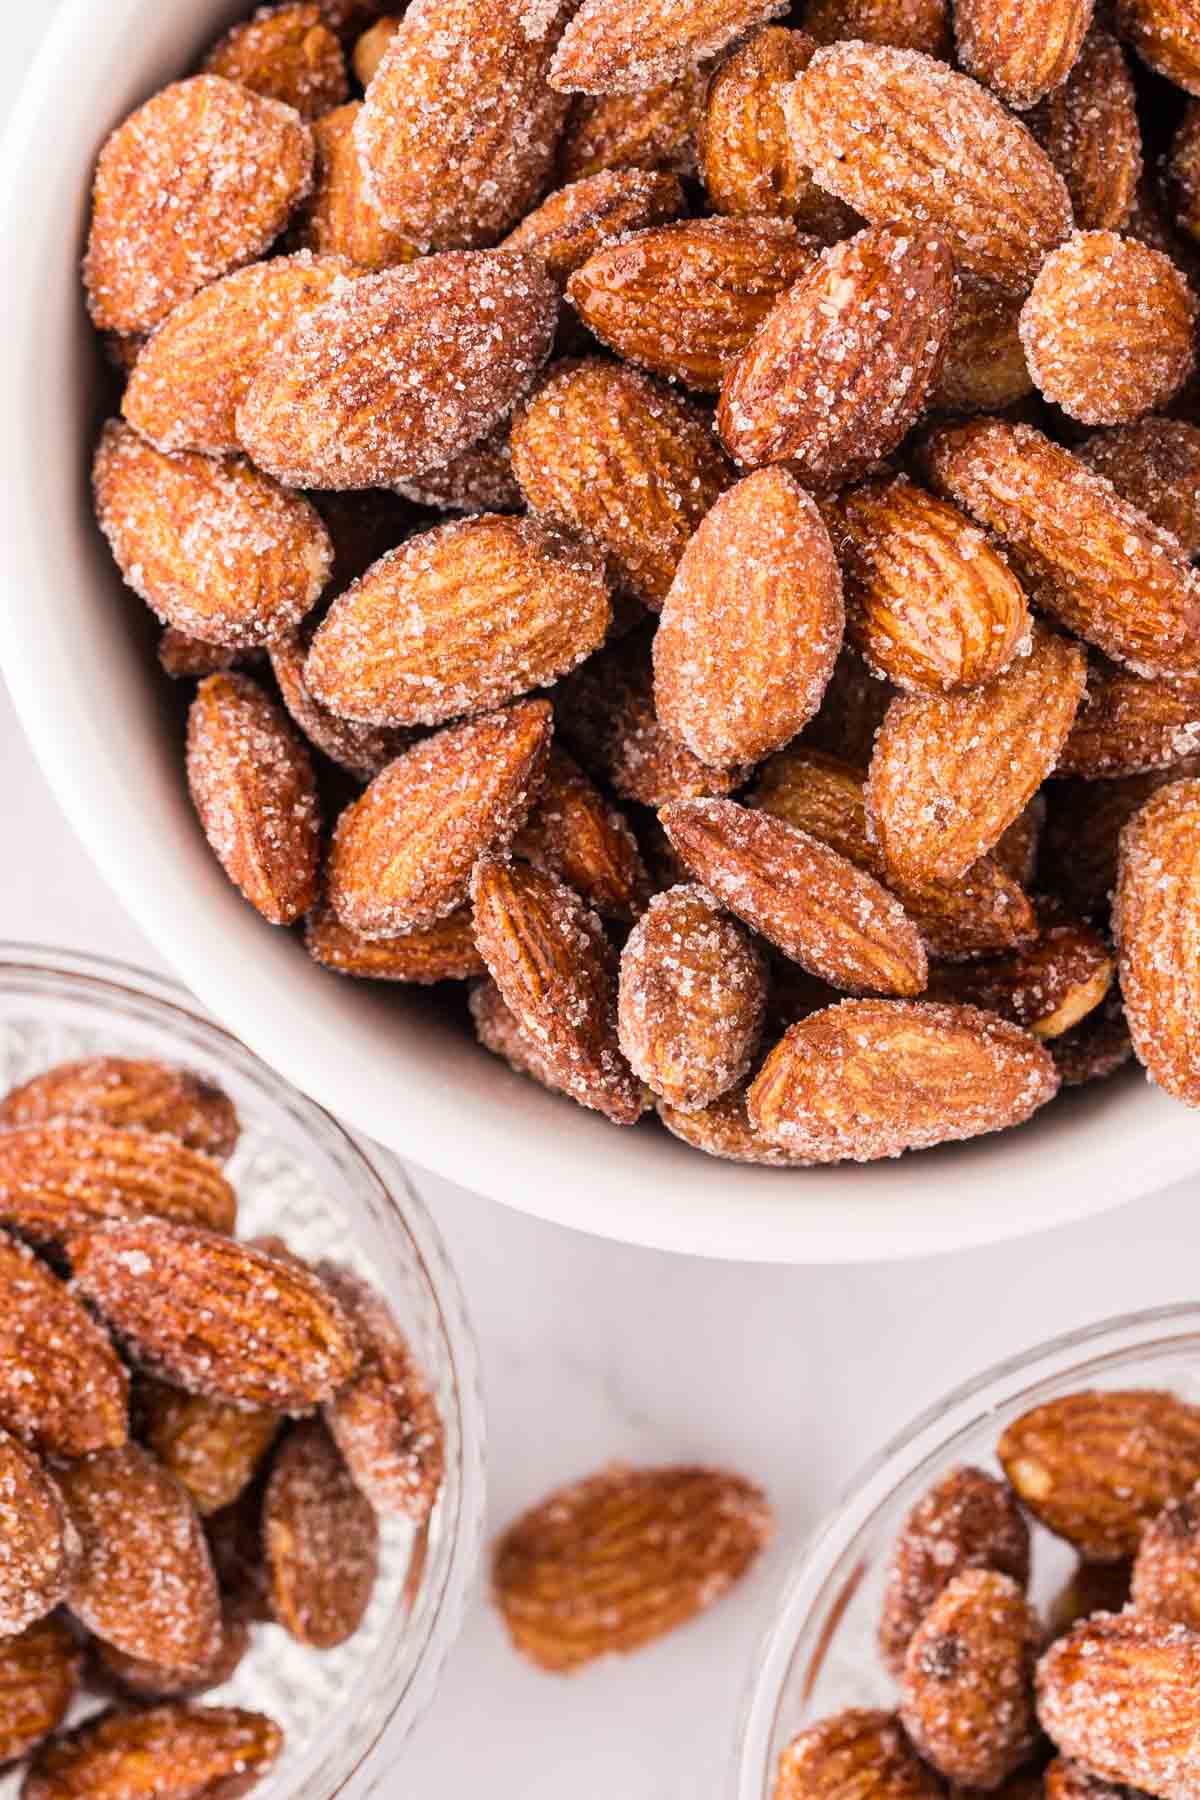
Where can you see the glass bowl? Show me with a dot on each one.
(297, 1172)
(819, 1652)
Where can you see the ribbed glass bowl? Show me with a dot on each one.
(298, 1173)
(819, 1652)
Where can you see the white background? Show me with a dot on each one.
(593, 1351)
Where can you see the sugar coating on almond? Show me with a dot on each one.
(624, 46)
(285, 53)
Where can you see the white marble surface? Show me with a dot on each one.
(592, 1351)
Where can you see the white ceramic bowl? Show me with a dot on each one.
(75, 651)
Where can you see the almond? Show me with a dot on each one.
(214, 1317)
(215, 548)
(499, 1031)
(194, 183)
(1184, 173)
(173, 1751)
(149, 1682)
(1097, 1467)
(1021, 52)
(1089, 129)
(984, 368)
(1078, 862)
(968, 1700)
(212, 1449)
(722, 1129)
(610, 453)
(853, 709)
(144, 1581)
(621, 46)
(63, 1389)
(1086, 555)
(186, 658)
(385, 1420)
(59, 1177)
(253, 787)
(401, 371)
(1166, 36)
(39, 1674)
(684, 300)
(623, 1557)
(909, 24)
(340, 218)
(841, 367)
(198, 365)
(123, 1090)
(951, 772)
(402, 855)
(829, 916)
(548, 955)
(752, 625)
(1130, 723)
(653, 129)
(1017, 849)
(573, 833)
(1120, 1694)
(1048, 987)
(903, 139)
(459, 620)
(577, 221)
(1155, 465)
(856, 1751)
(692, 998)
(443, 951)
(361, 749)
(873, 1078)
(38, 1543)
(285, 53)
(929, 604)
(458, 131)
(1155, 918)
(1166, 1570)
(967, 1520)
(1093, 1050)
(321, 1538)
(479, 479)
(369, 48)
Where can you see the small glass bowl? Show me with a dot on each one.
(345, 1712)
(819, 1654)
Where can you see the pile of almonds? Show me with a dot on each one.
(682, 513)
(1101, 1704)
(196, 1435)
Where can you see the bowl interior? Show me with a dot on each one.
(820, 1653)
(77, 656)
(298, 1174)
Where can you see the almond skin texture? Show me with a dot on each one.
(402, 855)
(1183, 171)
(39, 1673)
(1096, 1468)
(573, 833)
(1155, 465)
(253, 787)
(169, 1752)
(1089, 129)
(814, 905)
(361, 749)
(967, 1520)
(59, 1177)
(574, 223)
(873, 1078)
(684, 300)
(211, 1448)
(722, 1129)
(321, 1539)
(499, 1031)
(968, 1700)
(908, 24)
(401, 372)
(621, 1558)
(38, 1539)
(842, 366)
(186, 658)
(215, 548)
(145, 1580)
(384, 1421)
(1048, 987)
(692, 999)
(197, 367)
(284, 53)
(929, 604)
(122, 1090)
(984, 368)
(458, 620)
(1084, 554)
(1155, 920)
(149, 1682)
(854, 1752)
(1020, 51)
(1166, 1570)
(653, 129)
(902, 138)
(214, 1317)
(612, 454)
(951, 772)
(1166, 35)
(63, 1388)
(194, 183)
(339, 218)
(547, 953)
(622, 46)
(1119, 1693)
(443, 951)
(752, 625)
(458, 131)
(1128, 724)
(478, 480)
(1108, 328)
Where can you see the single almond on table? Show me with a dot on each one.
(63, 1388)
(1048, 987)
(321, 1539)
(1155, 918)
(984, 368)
(812, 903)
(39, 1675)
(621, 46)
(574, 834)
(458, 620)
(1121, 1694)
(1130, 723)
(872, 1078)
(285, 53)
(1089, 128)
(213, 1449)
(69, 1173)
(654, 128)
(443, 951)
(216, 1318)
(215, 548)
(123, 1090)
(194, 183)
(39, 1546)
(1155, 465)
(171, 1751)
(856, 1751)
(339, 217)
(402, 855)
(723, 1129)
(692, 998)
(623, 1557)
(1023, 49)
(401, 371)
(575, 222)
